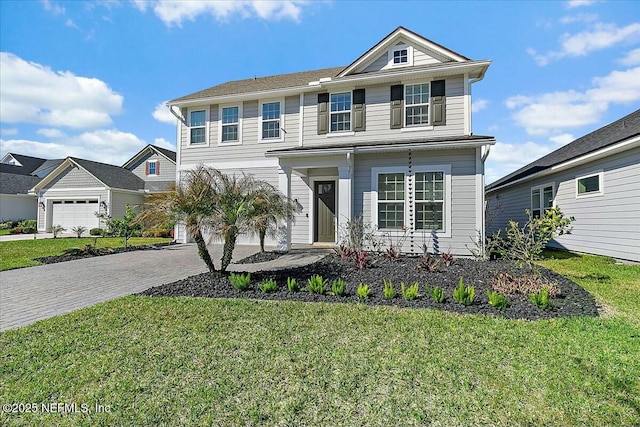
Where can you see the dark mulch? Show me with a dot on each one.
(63, 258)
(574, 300)
(261, 257)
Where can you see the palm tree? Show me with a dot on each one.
(270, 207)
(191, 202)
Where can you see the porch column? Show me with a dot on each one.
(284, 185)
(345, 194)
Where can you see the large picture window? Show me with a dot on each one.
(541, 199)
(417, 104)
(340, 112)
(197, 123)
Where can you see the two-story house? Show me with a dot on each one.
(387, 138)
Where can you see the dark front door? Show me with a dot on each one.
(325, 211)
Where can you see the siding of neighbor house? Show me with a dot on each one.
(605, 225)
(167, 169)
(17, 207)
(120, 200)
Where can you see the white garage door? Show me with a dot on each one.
(73, 213)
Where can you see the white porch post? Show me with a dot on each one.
(345, 194)
(284, 185)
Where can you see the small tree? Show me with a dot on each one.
(79, 230)
(124, 228)
(269, 208)
(57, 229)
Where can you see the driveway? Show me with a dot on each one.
(35, 293)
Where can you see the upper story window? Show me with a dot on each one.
(197, 123)
(589, 185)
(271, 120)
(230, 124)
(541, 199)
(400, 56)
(340, 112)
(152, 167)
(417, 104)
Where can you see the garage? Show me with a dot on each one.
(74, 213)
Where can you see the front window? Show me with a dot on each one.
(417, 104)
(391, 200)
(152, 168)
(230, 122)
(197, 121)
(400, 56)
(271, 120)
(340, 112)
(429, 200)
(541, 200)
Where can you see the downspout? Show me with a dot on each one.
(179, 117)
(483, 157)
(469, 83)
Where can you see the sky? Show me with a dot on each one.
(90, 79)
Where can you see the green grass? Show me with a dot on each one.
(5, 232)
(20, 253)
(191, 361)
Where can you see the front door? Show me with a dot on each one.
(325, 211)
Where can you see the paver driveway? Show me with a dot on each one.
(35, 293)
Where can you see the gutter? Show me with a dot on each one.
(179, 117)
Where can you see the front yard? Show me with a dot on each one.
(21, 253)
(199, 361)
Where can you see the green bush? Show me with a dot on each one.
(464, 295)
(57, 229)
(497, 300)
(79, 230)
(437, 294)
(363, 291)
(28, 230)
(292, 284)
(409, 292)
(96, 232)
(389, 290)
(7, 225)
(338, 286)
(28, 223)
(542, 299)
(268, 286)
(88, 249)
(317, 285)
(240, 281)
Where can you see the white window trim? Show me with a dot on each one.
(541, 187)
(282, 132)
(445, 168)
(422, 126)
(341, 132)
(155, 162)
(396, 48)
(206, 127)
(229, 143)
(598, 193)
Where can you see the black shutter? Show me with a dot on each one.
(397, 105)
(359, 110)
(323, 113)
(438, 103)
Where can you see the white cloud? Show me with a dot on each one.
(106, 146)
(54, 8)
(579, 3)
(8, 131)
(479, 105)
(162, 114)
(562, 139)
(601, 36)
(51, 133)
(632, 58)
(580, 17)
(26, 96)
(557, 111)
(163, 143)
(175, 12)
(505, 158)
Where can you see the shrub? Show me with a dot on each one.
(268, 286)
(389, 290)
(87, 250)
(57, 229)
(28, 230)
(96, 232)
(429, 263)
(437, 294)
(338, 286)
(464, 295)
(344, 252)
(409, 292)
(292, 284)
(542, 299)
(358, 235)
(28, 223)
(7, 225)
(507, 284)
(317, 285)
(363, 291)
(393, 253)
(240, 281)
(16, 230)
(361, 259)
(447, 258)
(497, 300)
(79, 230)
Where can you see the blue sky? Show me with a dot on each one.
(90, 79)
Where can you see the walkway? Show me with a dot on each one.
(36, 293)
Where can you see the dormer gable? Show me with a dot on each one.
(401, 48)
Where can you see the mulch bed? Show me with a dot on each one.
(63, 258)
(573, 301)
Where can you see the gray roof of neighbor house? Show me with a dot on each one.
(29, 164)
(13, 183)
(168, 153)
(48, 166)
(111, 175)
(620, 130)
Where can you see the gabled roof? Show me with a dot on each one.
(28, 163)
(11, 183)
(618, 131)
(47, 167)
(168, 154)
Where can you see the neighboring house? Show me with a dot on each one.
(387, 138)
(595, 179)
(77, 189)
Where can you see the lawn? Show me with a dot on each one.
(20, 253)
(193, 361)
(5, 232)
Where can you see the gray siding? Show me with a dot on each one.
(17, 207)
(420, 57)
(73, 177)
(120, 200)
(301, 192)
(167, 169)
(605, 225)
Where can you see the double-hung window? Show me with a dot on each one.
(541, 199)
(429, 200)
(417, 104)
(197, 123)
(230, 124)
(340, 112)
(391, 200)
(271, 120)
(152, 168)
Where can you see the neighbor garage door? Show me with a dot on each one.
(73, 213)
